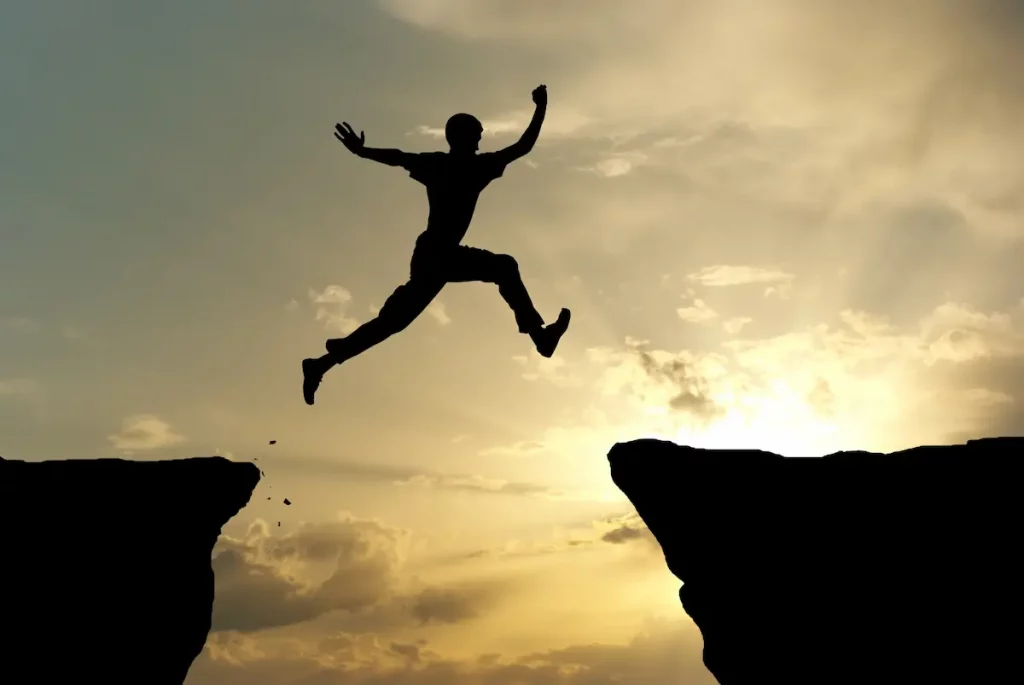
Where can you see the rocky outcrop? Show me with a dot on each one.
(850, 568)
(106, 572)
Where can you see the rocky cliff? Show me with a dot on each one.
(851, 568)
(106, 572)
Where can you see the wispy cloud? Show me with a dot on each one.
(142, 432)
(698, 312)
(735, 325)
(559, 122)
(331, 308)
(724, 275)
(616, 165)
(437, 311)
(553, 370)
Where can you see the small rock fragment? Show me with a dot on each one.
(273, 442)
(286, 501)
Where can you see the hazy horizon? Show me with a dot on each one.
(788, 224)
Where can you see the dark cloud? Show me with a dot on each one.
(1004, 376)
(412, 652)
(693, 393)
(450, 605)
(626, 528)
(667, 652)
(349, 568)
(822, 398)
(256, 585)
(622, 534)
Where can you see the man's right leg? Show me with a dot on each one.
(400, 309)
(476, 264)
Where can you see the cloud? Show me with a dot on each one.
(492, 127)
(345, 565)
(685, 377)
(735, 325)
(698, 312)
(351, 569)
(552, 370)
(723, 275)
(782, 292)
(331, 306)
(451, 605)
(482, 484)
(561, 122)
(662, 652)
(624, 529)
(787, 103)
(612, 167)
(141, 432)
(437, 311)
(520, 448)
(859, 381)
(656, 378)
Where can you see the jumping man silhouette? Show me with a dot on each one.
(454, 181)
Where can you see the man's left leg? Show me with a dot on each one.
(476, 264)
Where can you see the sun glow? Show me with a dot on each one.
(780, 421)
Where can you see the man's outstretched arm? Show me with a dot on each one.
(357, 146)
(532, 132)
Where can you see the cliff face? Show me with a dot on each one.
(106, 573)
(851, 568)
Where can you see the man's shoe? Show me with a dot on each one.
(312, 374)
(547, 339)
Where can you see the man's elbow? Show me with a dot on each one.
(521, 148)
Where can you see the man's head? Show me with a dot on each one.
(463, 133)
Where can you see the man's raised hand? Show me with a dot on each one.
(540, 95)
(347, 135)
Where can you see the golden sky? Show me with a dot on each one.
(789, 224)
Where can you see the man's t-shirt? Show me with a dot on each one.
(453, 186)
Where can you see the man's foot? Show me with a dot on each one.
(547, 339)
(312, 374)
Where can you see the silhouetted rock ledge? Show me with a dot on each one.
(106, 572)
(850, 568)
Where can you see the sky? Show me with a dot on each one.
(787, 224)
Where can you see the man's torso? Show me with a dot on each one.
(453, 186)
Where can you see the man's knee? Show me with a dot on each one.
(505, 268)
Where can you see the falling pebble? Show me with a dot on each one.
(268, 498)
(255, 458)
(262, 474)
(273, 442)
(278, 524)
(286, 501)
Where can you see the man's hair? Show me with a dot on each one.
(460, 126)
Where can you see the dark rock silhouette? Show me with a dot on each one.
(851, 568)
(106, 575)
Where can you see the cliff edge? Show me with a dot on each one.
(106, 574)
(851, 568)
